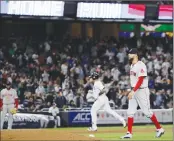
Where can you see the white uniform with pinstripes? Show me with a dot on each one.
(141, 96)
(101, 102)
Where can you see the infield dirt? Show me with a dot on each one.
(41, 134)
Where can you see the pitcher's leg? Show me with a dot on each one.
(3, 114)
(144, 103)
(132, 108)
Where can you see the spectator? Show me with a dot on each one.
(78, 100)
(40, 89)
(67, 63)
(159, 100)
(45, 76)
(60, 100)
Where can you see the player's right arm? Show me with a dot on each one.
(141, 74)
(1, 99)
(16, 99)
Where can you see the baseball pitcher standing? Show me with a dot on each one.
(101, 101)
(139, 94)
(8, 104)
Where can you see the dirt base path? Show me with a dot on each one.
(121, 130)
(40, 134)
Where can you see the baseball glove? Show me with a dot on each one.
(13, 111)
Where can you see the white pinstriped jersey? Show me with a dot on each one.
(97, 88)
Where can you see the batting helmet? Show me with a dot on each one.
(94, 75)
(133, 51)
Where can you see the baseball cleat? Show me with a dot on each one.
(91, 129)
(127, 136)
(159, 132)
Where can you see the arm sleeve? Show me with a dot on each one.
(1, 103)
(16, 99)
(16, 103)
(142, 70)
(139, 82)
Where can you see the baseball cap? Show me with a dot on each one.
(133, 51)
(8, 83)
(54, 104)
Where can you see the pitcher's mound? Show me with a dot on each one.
(40, 134)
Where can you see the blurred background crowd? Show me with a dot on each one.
(47, 71)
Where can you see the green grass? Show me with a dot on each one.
(144, 132)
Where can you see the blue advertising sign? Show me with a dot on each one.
(79, 118)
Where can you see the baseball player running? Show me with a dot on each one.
(101, 101)
(139, 94)
(8, 104)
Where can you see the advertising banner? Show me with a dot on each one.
(84, 117)
(166, 12)
(79, 118)
(132, 11)
(157, 27)
(98, 10)
(23, 120)
(110, 10)
(32, 8)
(163, 115)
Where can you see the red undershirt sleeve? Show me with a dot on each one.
(16, 103)
(139, 82)
(1, 103)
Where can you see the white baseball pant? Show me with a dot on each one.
(57, 121)
(102, 103)
(141, 98)
(6, 109)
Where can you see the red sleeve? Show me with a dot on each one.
(139, 82)
(1, 103)
(16, 103)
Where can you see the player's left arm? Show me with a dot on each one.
(1, 101)
(16, 99)
(141, 75)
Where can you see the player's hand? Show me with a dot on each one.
(131, 95)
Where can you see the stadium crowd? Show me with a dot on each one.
(44, 72)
